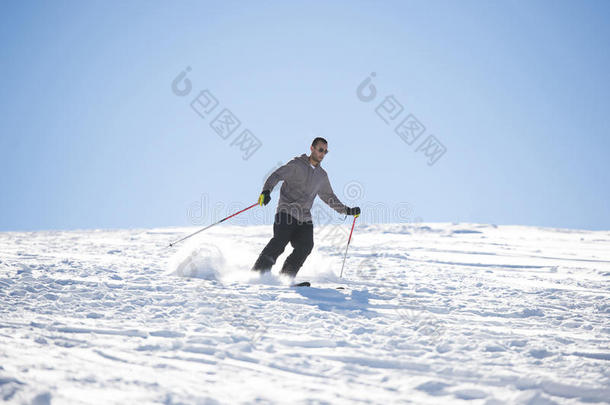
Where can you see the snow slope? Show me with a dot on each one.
(430, 313)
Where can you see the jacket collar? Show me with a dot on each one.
(305, 159)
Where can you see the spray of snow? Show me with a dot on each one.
(219, 260)
(202, 261)
(229, 260)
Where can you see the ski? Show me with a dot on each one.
(308, 284)
(303, 284)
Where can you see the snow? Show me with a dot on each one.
(429, 313)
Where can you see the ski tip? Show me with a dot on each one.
(303, 284)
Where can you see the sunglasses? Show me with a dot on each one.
(322, 150)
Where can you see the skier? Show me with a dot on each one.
(304, 179)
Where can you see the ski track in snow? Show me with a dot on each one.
(430, 313)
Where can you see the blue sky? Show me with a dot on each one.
(92, 135)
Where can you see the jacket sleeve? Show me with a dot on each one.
(282, 173)
(327, 195)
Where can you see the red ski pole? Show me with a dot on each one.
(348, 241)
(216, 223)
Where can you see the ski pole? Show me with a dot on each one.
(348, 241)
(215, 223)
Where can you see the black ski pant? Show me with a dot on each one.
(287, 229)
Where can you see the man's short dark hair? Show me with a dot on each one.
(318, 140)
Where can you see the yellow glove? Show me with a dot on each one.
(264, 198)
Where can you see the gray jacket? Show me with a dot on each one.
(302, 184)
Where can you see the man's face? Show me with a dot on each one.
(319, 151)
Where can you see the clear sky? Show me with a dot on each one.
(94, 136)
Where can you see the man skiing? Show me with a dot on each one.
(304, 179)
